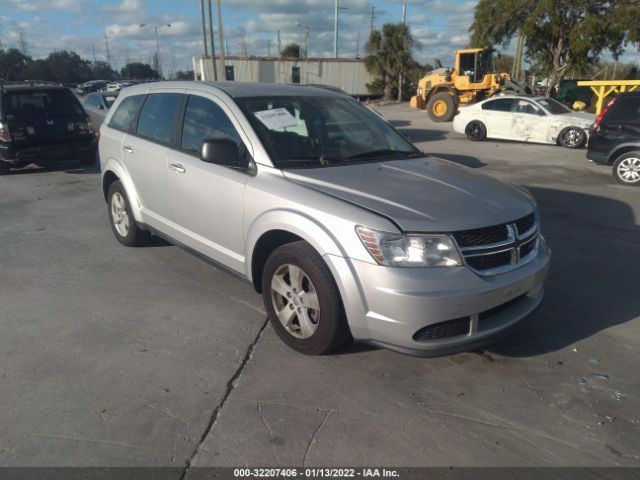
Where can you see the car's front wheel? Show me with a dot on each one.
(302, 300)
(626, 168)
(123, 223)
(475, 131)
(572, 137)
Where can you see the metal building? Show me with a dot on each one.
(349, 75)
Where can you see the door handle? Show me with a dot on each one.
(128, 149)
(176, 167)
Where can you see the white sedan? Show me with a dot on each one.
(524, 119)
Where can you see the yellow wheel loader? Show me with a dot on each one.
(474, 78)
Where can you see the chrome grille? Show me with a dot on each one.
(499, 248)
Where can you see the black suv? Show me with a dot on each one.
(43, 124)
(615, 139)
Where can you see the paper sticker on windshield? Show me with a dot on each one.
(276, 118)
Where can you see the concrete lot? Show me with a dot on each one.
(150, 356)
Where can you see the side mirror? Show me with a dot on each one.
(101, 107)
(223, 151)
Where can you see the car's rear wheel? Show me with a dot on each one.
(476, 131)
(302, 300)
(572, 137)
(626, 168)
(123, 223)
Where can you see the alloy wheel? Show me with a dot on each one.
(629, 170)
(119, 214)
(295, 301)
(571, 137)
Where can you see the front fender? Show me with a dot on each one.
(116, 167)
(296, 222)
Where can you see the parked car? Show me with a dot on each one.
(615, 139)
(98, 104)
(91, 86)
(524, 119)
(342, 224)
(43, 124)
(116, 86)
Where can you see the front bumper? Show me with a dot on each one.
(390, 307)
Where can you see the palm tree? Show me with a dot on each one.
(389, 54)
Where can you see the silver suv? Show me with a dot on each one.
(345, 227)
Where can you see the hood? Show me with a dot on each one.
(421, 195)
(580, 118)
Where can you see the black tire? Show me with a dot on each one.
(626, 169)
(572, 137)
(475, 131)
(134, 236)
(4, 168)
(331, 329)
(445, 100)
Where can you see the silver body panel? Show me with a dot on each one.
(222, 213)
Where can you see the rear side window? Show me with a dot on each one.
(30, 104)
(503, 105)
(626, 110)
(158, 116)
(125, 116)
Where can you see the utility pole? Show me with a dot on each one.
(213, 45)
(268, 47)
(358, 45)
(279, 44)
(22, 40)
(93, 47)
(204, 30)
(373, 17)
(306, 42)
(517, 61)
(335, 27)
(223, 72)
(107, 50)
(401, 76)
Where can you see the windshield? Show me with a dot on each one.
(485, 64)
(553, 106)
(320, 131)
(29, 104)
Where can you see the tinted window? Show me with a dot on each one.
(553, 106)
(158, 116)
(626, 110)
(503, 105)
(205, 120)
(523, 106)
(41, 103)
(229, 74)
(488, 105)
(125, 116)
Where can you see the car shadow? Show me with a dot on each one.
(593, 280)
(416, 135)
(466, 160)
(70, 167)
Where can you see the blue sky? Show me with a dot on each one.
(440, 26)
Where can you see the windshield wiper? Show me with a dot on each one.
(382, 152)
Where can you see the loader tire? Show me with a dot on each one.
(441, 107)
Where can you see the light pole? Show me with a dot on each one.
(155, 28)
(306, 38)
(335, 27)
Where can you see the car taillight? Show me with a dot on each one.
(596, 124)
(5, 134)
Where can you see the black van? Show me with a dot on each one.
(43, 124)
(615, 139)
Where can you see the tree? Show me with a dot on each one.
(292, 50)
(184, 75)
(67, 67)
(139, 71)
(13, 64)
(389, 55)
(560, 34)
(103, 71)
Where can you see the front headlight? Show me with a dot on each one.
(397, 250)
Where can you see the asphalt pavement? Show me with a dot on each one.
(150, 356)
